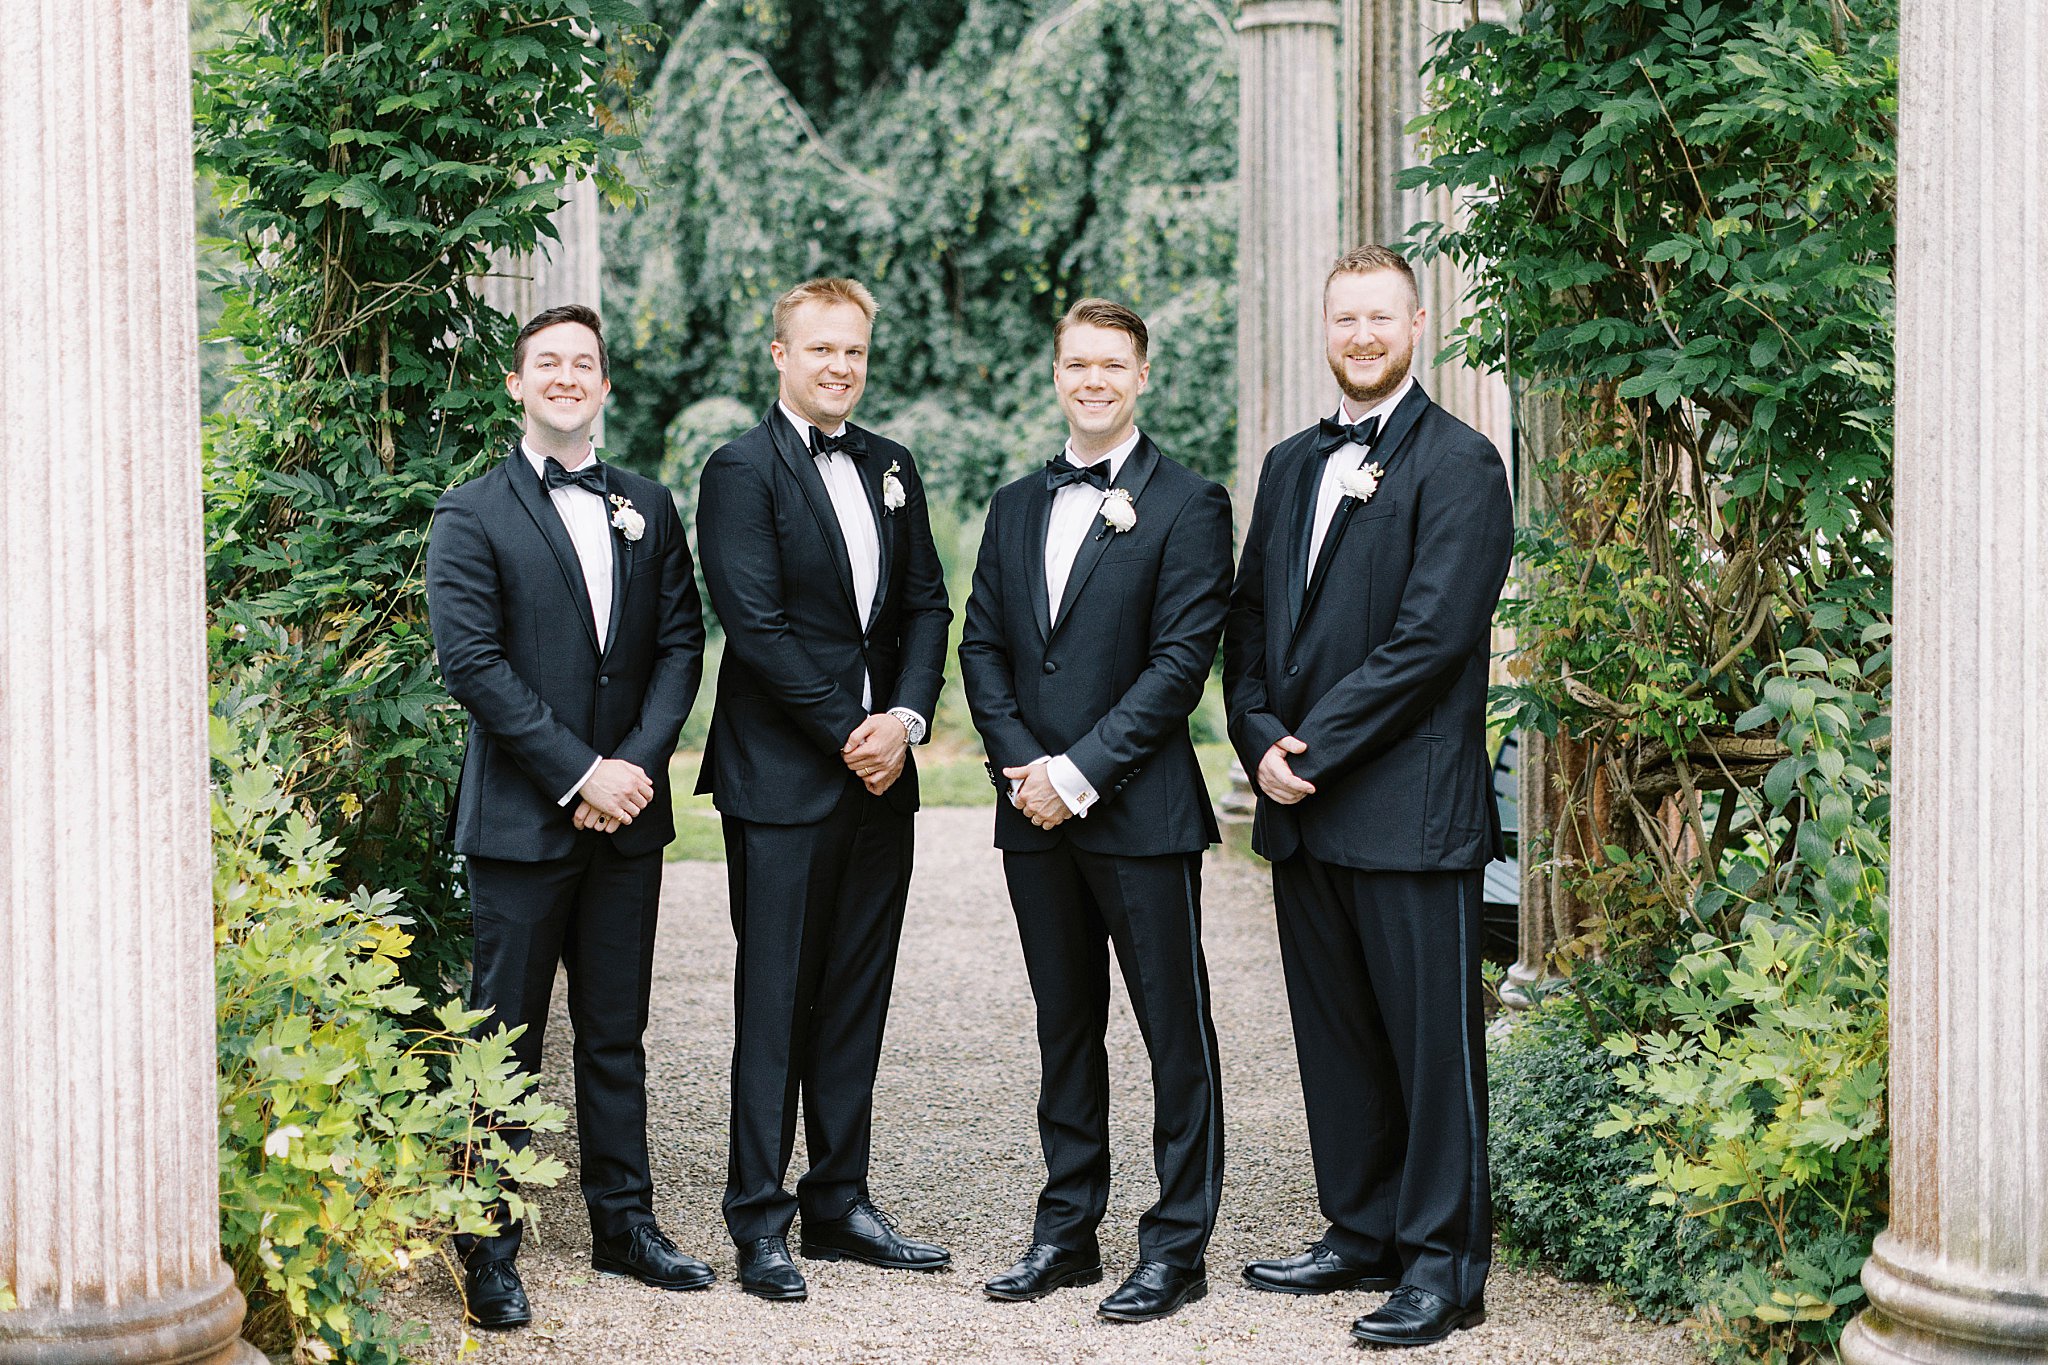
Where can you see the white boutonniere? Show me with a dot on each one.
(1360, 483)
(892, 489)
(626, 517)
(1118, 511)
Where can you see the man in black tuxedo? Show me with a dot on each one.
(1098, 599)
(1355, 669)
(818, 557)
(565, 618)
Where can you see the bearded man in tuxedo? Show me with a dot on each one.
(818, 557)
(1355, 669)
(565, 619)
(1098, 600)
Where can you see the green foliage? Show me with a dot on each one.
(1761, 1086)
(1679, 217)
(345, 1136)
(1004, 159)
(1563, 1194)
(372, 154)
(7, 1304)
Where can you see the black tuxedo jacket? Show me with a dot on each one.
(776, 566)
(1378, 662)
(518, 648)
(1111, 680)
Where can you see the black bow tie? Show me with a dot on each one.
(847, 442)
(1332, 434)
(590, 477)
(1060, 471)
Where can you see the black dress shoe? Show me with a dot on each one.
(495, 1297)
(1154, 1290)
(1043, 1269)
(767, 1272)
(651, 1258)
(1318, 1270)
(1415, 1317)
(869, 1235)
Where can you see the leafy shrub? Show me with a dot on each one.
(1564, 1195)
(344, 1135)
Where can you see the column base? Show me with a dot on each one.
(1927, 1312)
(199, 1326)
(1526, 985)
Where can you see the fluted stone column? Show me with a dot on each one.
(109, 1189)
(558, 272)
(1962, 1272)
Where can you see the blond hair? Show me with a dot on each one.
(1102, 313)
(1367, 258)
(826, 289)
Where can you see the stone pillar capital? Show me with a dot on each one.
(1256, 14)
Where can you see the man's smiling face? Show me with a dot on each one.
(560, 380)
(824, 361)
(1370, 327)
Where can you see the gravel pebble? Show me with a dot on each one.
(956, 1161)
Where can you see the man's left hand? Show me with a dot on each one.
(874, 751)
(590, 817)
(1037, 797)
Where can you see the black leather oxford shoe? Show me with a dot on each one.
(1415, 1317)
(1318, 1270)
(1154, 1290)
(767, 1272)
(1043, 1269)
(495, 1297)
(867, 1234)
(647, 1255)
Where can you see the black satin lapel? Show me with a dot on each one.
(791, 449)
(872, 471)
(1136, 473)
(1393, 439)
(622, 574)
(526, 486)
(1040, 522)
(1307, 481)
(1327, 551)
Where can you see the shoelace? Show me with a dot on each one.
(884, 1219)
(648, 1232)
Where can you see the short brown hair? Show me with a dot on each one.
(1102, 313)
(1365, 259)
(568, 312)
(827, 289)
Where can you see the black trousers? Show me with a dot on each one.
(818, 911)
(594, 912)
(1071, 906)
(1383, 982)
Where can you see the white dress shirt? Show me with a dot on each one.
(1347, 457)
(1076, 514)
(849, 493)
(588, 521)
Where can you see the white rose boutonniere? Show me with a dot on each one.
(1360, 483)
(892, 489)
(1118, 511)
(627, 518)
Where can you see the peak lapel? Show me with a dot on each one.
(527, 487)
(872, 470)
(790, 447)
(622, 574)
(1393, 440)
(1038, 517)
(1136, 473)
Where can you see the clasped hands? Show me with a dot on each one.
(874, 752)
(1036, 796)
(615, 792)
(1276, 778)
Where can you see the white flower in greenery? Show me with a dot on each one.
(279, 1143)
(1119, 511)
(627, 518)
(1360, 483)
(892, 488)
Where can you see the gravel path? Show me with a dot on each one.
(956, 1160)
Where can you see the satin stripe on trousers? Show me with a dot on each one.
(1382, 976)
(1071, 906)
(595, 912)
(817, 911)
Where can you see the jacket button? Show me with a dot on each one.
(1293, 669)
(1051, 667)
(604, 680)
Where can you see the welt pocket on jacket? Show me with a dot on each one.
(1430, 739)
(647, 564)
(1376, 510)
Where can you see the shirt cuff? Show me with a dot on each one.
(570, 795)
(914, 727)
(1070, 784)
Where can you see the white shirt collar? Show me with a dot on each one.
(1116, 457)
(540, 462)
(803, 428)
(1382, 410)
